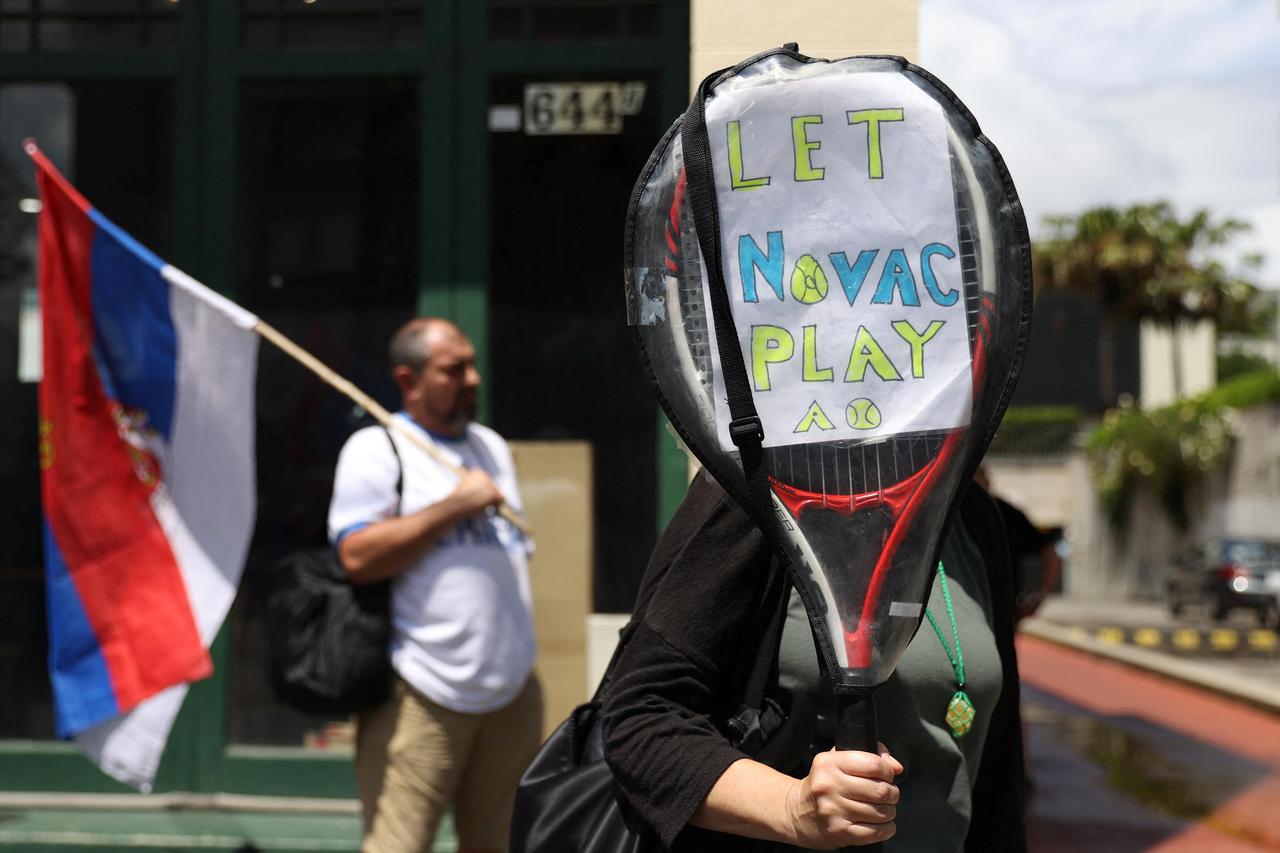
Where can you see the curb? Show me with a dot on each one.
(179, 801)
(1199, 675)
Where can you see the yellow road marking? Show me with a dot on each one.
(1264, 641)
(1223, 639)
(1149, 637)
(1110, 636)
(1186, 638)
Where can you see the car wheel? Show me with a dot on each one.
(1220, 611)
(1269, 616)
(1175, 606)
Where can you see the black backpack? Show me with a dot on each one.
(328, 637)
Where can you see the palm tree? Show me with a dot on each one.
(1143, 263)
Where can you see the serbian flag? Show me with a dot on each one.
(147, 475)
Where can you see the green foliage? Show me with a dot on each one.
(1171, 448)
(1143, 262)
(1036, 430)
(1234, 364)
(1252, 318)
(1244, 392)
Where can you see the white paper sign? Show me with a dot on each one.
(841, 258)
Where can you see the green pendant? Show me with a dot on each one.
(960, 714)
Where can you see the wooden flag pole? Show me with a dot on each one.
(374, 408)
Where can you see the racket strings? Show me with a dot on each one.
(970, 270)
(682, 239)
(843, 468)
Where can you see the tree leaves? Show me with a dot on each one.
(1144, 263)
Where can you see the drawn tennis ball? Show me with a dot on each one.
(808, 281)
(862, 414)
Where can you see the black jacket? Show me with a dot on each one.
(710, 588)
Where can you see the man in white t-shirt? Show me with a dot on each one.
(465, 715)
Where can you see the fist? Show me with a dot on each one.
(476, 492)
(848, 799)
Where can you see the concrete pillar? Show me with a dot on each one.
(1196, 351)
(722, 33)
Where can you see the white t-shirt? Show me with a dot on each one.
(462, 619)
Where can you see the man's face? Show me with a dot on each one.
(442, 396)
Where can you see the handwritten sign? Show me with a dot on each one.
(841, 258)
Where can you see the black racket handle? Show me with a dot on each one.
(856, 722)
(856, 729)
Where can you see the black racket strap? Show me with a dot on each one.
(745, 428)
(767, 654)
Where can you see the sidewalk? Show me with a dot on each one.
(1132, 633)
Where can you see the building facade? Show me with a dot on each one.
(337, 166)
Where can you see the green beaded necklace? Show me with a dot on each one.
(960, 710)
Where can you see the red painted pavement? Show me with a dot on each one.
(1248, 822)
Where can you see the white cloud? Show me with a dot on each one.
(1102, 102)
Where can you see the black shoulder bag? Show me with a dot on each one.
(567, 802)
(328, 637)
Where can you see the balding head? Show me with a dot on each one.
(412, 344)
(434, 366)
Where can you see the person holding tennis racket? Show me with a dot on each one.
(844, 312)
(701, 611)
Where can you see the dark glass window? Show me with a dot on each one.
(330, 24)
(406, 29)
(333, 32)
(562, 361)
(88, 26)
(15, 36)
(555, 21)
(328, 223)
(506, 23)
(96, 34)
(645, 22)
(94, 7)
(1068, 329)
(161, 34)
(113, 141)
(576, 23)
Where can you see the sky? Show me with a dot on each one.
(1116, 102)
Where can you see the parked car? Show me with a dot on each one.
(1225, 573)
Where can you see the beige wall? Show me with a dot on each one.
(555, 480)
(1041, 487)
(1196, 350)
(724, 32)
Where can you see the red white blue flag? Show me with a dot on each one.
(147, 474)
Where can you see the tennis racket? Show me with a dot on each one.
(878, 487)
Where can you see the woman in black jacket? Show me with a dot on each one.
(709, 591)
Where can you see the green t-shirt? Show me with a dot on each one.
(933, 813)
